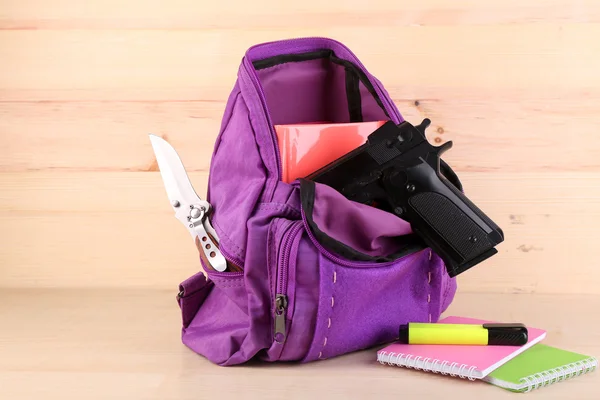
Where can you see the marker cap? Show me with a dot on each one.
(506, 334)
(403, 334)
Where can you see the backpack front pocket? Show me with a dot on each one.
(363, 305)
(374, 274)
(293, 275)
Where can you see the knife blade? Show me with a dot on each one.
(189, 208)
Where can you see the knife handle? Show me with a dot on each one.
(231, 267)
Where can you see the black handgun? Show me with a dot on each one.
(398, 170)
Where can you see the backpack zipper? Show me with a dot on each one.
(281, 285)
(390, 108)
(233, 260)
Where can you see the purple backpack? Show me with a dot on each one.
(321, 275)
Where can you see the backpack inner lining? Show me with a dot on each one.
(317, 87)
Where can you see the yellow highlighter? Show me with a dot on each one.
(463, 334)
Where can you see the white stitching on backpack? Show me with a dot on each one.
(328, 319)
(429, 283)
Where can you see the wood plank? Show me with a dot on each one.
(489, 134)
(116, 229)
(124, 344)
(261, 14)
(485, 115)
(107, 135)
(114, 64)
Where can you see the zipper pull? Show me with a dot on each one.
(281, 304)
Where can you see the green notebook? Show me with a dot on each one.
(539, 366)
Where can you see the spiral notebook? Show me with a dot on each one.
(540, 366)
(464, 361)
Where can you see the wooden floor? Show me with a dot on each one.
(91, 256)
(124, 344)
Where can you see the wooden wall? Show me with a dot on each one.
(515, 85)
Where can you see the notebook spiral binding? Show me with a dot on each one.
(551, 376)
(427, 364)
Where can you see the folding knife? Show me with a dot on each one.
(189, 208)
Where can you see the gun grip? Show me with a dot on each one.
(450, 232)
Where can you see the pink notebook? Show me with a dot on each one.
(471, 362)
(304, 148)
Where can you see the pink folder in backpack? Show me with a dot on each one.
(464, 361)
(304, 148)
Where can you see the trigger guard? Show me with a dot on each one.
(450, 175)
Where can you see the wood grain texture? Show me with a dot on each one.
(539, 59)
(125, 344)
(126, 235)
(489, 134)
(513, 84)
(261, 14)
